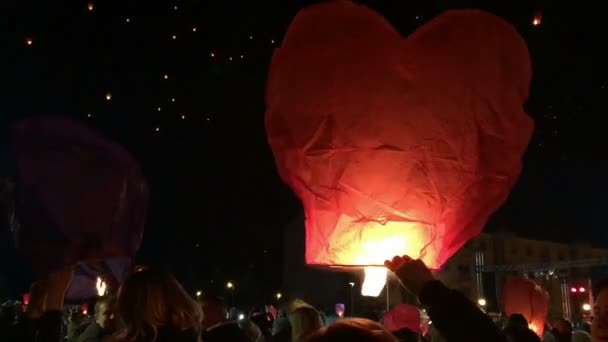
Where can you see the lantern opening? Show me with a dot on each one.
(375, 279)
(101, 287)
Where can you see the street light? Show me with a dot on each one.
(199, 293)
(279, 295)
(230, 286)
(481, 302)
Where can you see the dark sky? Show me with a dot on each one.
(218, 207)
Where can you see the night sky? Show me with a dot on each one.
(181, 85)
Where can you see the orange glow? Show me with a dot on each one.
(29, 41)
(533, 327)
(194, 29)
(91, 6)
(371, 243)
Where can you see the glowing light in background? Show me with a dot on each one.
(481, 302)
(586, 307)
(90, 6)
(375, 279)
(29, 41)
(537, 19)
(101, 287)
(108, 96)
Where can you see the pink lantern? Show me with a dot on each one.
(403, 316)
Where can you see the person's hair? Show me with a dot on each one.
(252, 330)
(352, 329)
(151, 299)
(304, 321)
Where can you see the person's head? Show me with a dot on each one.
(352, 329)
(563, 327)
(104, 312)
(599, 323)
(151, 299)
(517, 321)
(406, 335)
(252, 330)
(215, 311)
(304, 321)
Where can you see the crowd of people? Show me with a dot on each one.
(151, 305)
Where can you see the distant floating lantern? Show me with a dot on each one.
(174, 36)
(90, 6)
(525, 297)
(212, 55)
(537, 19)
(183, 116)
(108, 96)
(166, 76)
(396, 171)
(194, 29)
(29, 41)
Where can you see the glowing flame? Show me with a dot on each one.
(375, 279)
(101, 287)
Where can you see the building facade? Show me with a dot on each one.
(564, 270)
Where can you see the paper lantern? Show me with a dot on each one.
(80, 200)
(396, 145)
(403, 316)
(525, 297)
(26, 298)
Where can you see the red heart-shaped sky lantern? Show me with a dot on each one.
(397, 145)
(525, 297)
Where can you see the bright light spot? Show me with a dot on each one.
(375, 279)
(242, 56)
(537, 18)
(128, 20)
(29, 41)
(157, 129)
(481, 302)
(194, 29)
(108, 96)
(533, 327)
(183, 117)
(85, 312)
(241, 317)
(165, 76)
(229, 285)
(199, 293)
(174, 37)
(175, 7)
(272, 41)
(352, 284)
(586, 307)
(159, 109)
(250, 37)
(173, 99)
(279, 295)
(101, 287)
(582, 289)
(230, 58)
(212, 55)
(91, 6)
(573, 290)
